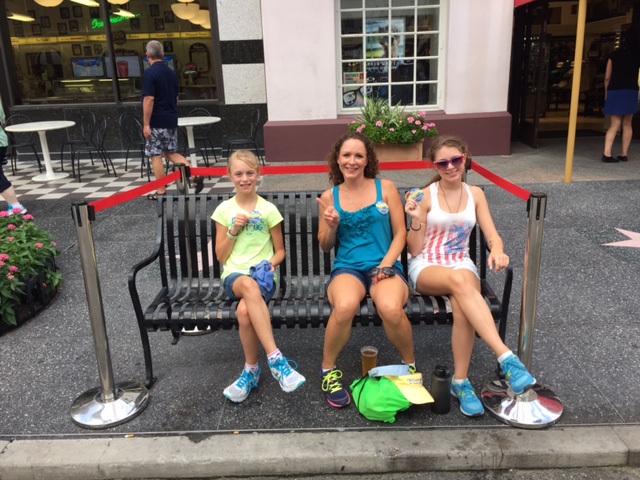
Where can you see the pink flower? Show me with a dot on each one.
(39, 245)
(418, 122)
(422, 114)
(378, 123)
(54, 244)
(28, 217)
(44, 285)
(10, 239)
(11, 227)
(4, 214)
(424, 127)
(10, 277)
(4, 256)
(13, 269)
(1, 264)
(361, 128)
(413, 131)
(392, 129)
(410, 119)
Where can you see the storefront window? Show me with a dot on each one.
(62, 55)
(389, 50)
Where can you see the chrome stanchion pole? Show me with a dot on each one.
(538, 407)
(109, 404)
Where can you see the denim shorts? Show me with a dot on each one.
(231, 279)
(364, 278)
(164, 140)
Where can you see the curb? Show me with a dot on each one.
(204, 455)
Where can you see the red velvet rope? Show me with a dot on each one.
(134, 193)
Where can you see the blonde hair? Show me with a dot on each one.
(249, 159)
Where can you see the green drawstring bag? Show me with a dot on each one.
(378, 399)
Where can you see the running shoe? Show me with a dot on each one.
(239, 390)
(18, 209)
(470, 404)
(337, 396)
(517, 375)
(288, 378)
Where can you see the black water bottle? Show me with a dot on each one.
(440, 384)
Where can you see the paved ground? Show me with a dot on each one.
(585, 349)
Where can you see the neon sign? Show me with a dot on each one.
(96, 24)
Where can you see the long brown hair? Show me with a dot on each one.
(372, 168)
(448, 141)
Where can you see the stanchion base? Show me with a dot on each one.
(90, 410)
(196, 331)
(535, 408)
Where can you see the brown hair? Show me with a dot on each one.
(448, 141)
(371, 170)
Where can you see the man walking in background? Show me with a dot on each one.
(160, 88)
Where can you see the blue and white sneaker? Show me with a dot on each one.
(470, 404)
(18, 209)
(239, 390)
(517, 375)
(286, 375)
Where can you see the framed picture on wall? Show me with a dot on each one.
(97, 49)
(18, 31)
(134, 23)
(45, 22)
(77, 11)
(94, 12)
(168, 16)
(31, 13)
(62, 28)
(154, 10)
(168, 46)
(76, 49)
(64, 12)
(35, 29)
(159, 23)
(73, 26)
(87, 51)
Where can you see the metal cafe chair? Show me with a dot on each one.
(87, 132)
(20, 140)
(236, 143)
(96, 147)
(131, 129)
(202, 133)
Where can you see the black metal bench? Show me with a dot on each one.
(191, 295)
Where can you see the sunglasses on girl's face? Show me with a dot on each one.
(455, 162)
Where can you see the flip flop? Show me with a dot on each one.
(199, 184)
(154, 196)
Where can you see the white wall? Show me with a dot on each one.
(300, 57)
(478, 55)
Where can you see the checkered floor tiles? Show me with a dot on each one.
(96, 183)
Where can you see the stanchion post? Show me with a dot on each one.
(538, 407)
(109, 404)
(536, 209)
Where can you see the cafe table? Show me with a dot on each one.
(188, 123)
(42, 128)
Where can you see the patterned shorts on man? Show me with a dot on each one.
(164, 140)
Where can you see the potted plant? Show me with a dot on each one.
(28, 274)
(397, 135)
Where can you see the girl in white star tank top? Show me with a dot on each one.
(439, 264)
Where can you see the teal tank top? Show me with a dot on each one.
(364, 237)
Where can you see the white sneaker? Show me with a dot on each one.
(239, 390)
(17, 209)
(288, 378)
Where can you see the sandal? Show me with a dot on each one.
(154, 196)
(199, 184)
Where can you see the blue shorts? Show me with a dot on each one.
(231, 279)
(163, 140)
(360, 275)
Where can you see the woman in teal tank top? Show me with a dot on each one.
(363, 217)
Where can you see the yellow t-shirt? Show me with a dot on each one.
(254, 242)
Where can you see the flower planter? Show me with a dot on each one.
(390, 152)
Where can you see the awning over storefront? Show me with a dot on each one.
(519, 3)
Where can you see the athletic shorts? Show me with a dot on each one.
(164, 140)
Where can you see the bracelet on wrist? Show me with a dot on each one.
(417, 229)
(231, 235)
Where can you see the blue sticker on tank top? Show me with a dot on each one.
(382, 207)
(255, 218)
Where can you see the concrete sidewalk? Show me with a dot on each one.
(585, 350)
